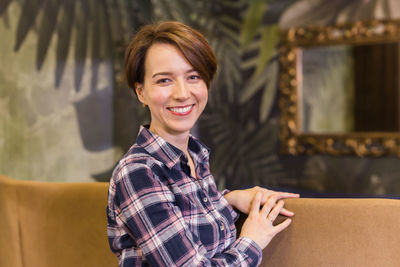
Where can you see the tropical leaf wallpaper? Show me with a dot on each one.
(65, 115)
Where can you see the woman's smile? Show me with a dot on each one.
(181, 110)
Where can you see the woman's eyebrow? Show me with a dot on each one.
(170, 73)
(161, 73)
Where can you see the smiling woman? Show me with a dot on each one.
(174, 92)
(164, 208)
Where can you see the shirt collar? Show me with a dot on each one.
(167, 153)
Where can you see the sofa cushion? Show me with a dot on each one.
(60, 224)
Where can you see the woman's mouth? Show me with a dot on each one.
(181, 111)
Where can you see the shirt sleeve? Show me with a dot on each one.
(155, 228)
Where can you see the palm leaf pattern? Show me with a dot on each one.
(240, 123)
(97, 27)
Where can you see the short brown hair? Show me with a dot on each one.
(189, 42)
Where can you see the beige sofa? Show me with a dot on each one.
(64, 224)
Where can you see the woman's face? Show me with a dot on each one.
(174, 92)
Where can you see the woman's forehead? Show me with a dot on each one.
(163, 57)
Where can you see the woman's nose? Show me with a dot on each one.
(181, 91)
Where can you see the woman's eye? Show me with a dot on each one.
(194, 77)
(164, 80)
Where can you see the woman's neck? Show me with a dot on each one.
(178, 140)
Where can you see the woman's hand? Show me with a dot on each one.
(258, 225)
(241, 199)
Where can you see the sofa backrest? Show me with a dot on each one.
(64, 225)
(53, 224)
(338, 232)
(10, 249)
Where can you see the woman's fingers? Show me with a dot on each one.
(280, 195)
(275, 211)
(282, 226)
(271, 208)
(271, 202)
(255, 204)
(286, 212)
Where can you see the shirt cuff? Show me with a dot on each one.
(234, 214)
(225, 191)
(250, 248)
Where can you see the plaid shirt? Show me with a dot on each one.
(159, 215)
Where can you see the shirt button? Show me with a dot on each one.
(205, 200)
(222, 228)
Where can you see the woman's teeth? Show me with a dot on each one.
(181, 110)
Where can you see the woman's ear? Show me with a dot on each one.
(139, 92)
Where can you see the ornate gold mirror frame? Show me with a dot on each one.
(293, 140)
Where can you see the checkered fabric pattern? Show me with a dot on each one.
(159, 215)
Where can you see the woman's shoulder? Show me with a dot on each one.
(136, 155)
(137, 170)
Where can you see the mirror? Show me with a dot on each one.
(339, 89)
(349, 88)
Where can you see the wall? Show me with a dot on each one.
(50, 132)
(67, 134)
